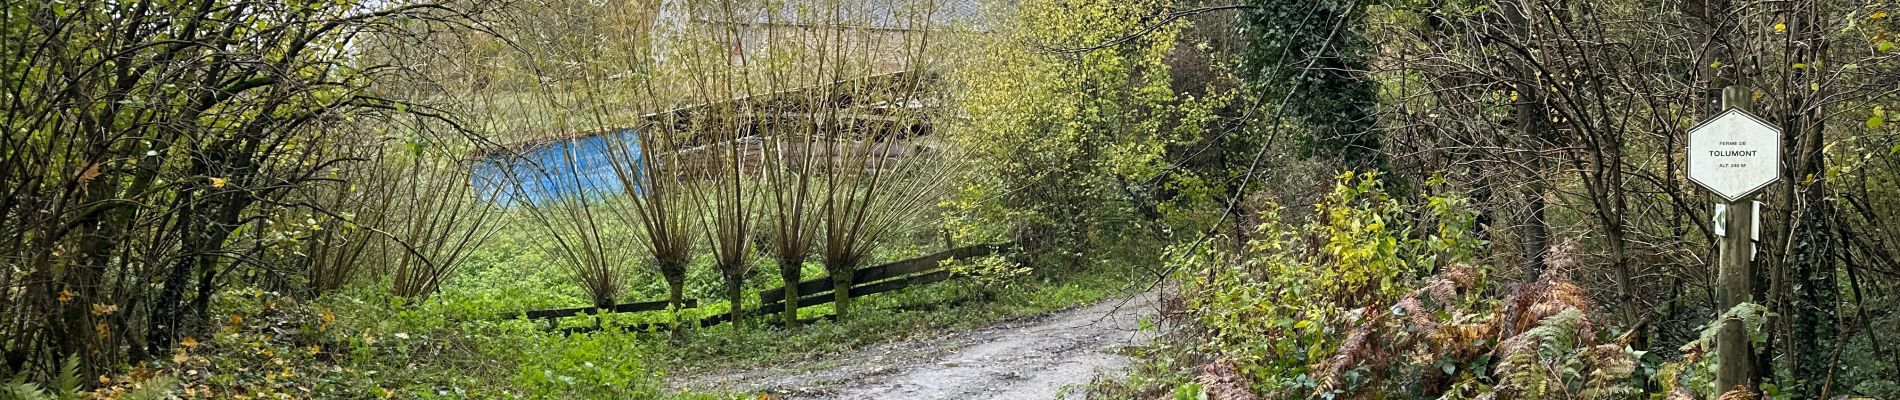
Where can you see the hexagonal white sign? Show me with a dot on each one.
(1734, 154)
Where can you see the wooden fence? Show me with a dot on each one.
(894, 276)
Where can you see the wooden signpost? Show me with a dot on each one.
(1734, 155)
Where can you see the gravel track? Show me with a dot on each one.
(1048, 356)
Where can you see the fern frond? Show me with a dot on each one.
(20, 389)
(1752, 315)
(67, 384)
(153, 389)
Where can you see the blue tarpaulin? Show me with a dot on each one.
(578, 167)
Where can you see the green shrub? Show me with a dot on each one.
(1275, 309)
(603, 365)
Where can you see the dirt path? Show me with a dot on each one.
(1031, 358)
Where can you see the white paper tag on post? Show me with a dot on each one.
(1721, 216)
(1754, 225)
(1754, 234)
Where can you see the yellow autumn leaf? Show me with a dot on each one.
(65, 296)
(1781, 27)
(89, 173)
(217, 182)
(104, 309)
(1877, 15)
(189, 342)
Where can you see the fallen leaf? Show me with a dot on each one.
(65, 296)
(217, 182)
(91, 172)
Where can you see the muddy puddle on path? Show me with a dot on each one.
(1049, 356)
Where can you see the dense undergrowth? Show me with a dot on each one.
(1365, 301)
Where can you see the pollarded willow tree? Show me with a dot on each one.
(562, 85)
(661, 205)
(404, 212)
(813, 116)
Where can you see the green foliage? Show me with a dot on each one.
(1072, 148)
(1283, 306)
(1696, 371)
(68, 386)
(990, 269)
(1189, 391)
(1310, 56)
(604, 365)
(1551, 361)
(1355, 303)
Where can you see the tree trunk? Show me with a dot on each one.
(675, 294)
(1533, 233)
(841, 292)
(1529, 113)
(735, 293)
(1813, 305)
(202, 237)
(675, 300)
(791, 272)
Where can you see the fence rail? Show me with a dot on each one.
(868, 275)
(889, 277)
(619, 308)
